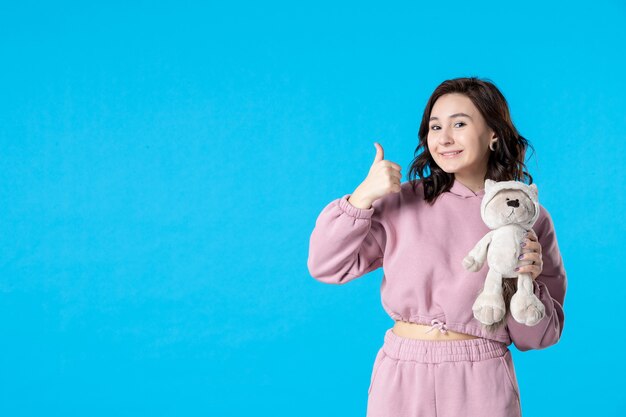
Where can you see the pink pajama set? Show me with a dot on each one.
(421, 248)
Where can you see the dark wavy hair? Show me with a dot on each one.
(506, 163)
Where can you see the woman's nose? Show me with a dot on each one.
(444, 138)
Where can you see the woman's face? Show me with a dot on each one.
(448, 130)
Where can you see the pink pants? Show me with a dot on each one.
(451, 378)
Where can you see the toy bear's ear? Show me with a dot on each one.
(533, 188)
(488, 184)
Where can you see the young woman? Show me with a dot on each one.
(437, 359)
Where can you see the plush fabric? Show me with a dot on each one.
(509, 209)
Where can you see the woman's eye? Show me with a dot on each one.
(457, 123)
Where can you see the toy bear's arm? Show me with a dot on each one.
(479, 252)
(476, 257)
(549, 287)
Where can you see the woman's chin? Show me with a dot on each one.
(448, 170)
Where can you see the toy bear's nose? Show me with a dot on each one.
(513, 203)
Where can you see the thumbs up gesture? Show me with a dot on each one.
(383, 178)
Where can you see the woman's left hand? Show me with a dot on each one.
(531, 252)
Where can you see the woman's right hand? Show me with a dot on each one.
(383, 178)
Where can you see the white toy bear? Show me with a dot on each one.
(508, 208)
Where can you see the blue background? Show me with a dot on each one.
(162, 166)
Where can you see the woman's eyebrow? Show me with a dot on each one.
(451, 116)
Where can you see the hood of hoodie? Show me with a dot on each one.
(462, 190)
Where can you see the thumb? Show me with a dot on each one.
(380, 153)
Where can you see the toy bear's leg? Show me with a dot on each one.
(526, 308)
(489, 306)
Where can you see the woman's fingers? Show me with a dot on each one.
(531, 251)
(533, 270)
(390, 164)
(531, 243)
(531, 256)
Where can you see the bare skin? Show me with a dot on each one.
(418, 331)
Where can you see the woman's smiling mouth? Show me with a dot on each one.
(449, 155)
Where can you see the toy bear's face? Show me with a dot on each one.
(509, 206)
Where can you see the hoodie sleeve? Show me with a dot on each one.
(549, 287)
(347, 242)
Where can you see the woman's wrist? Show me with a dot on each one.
(359, 201)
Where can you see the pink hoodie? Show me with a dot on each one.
(421, 248)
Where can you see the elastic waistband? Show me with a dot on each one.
(429, 351)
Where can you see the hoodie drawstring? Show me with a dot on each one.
(438, 324)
